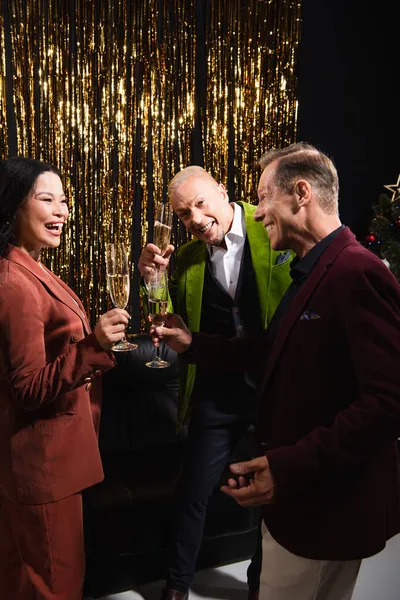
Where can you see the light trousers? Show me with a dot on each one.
(286, 576)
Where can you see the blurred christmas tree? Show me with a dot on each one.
(384, 235)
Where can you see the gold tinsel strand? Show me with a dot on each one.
(107, 92)
(3, 99)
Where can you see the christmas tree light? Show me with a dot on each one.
(384, 235)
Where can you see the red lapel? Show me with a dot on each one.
(343, 239)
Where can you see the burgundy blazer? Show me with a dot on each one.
(330, 406)
(50, 386)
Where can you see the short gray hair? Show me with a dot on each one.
(303, 160)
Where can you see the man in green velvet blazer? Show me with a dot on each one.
(228, 281)
(272, 280)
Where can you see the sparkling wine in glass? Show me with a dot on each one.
(163, 226)
(118, 282)
(157, 289)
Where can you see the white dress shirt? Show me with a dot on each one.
(225, 262)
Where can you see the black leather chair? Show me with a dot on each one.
(127, 515)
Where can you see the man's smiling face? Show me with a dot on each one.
(203, 206)
(277, 210)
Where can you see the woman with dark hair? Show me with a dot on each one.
(50, 393)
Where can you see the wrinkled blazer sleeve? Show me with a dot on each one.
(36, 377)
(230, 354)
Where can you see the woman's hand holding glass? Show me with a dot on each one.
(110, 328)
(118, 281)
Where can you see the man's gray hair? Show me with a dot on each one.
(304, 161)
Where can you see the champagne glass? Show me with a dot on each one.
(163, 226)
(157, 289)
(118, 282)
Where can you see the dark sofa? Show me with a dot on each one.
(126, 516)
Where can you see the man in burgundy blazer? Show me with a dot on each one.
(50, 400)
(328, 473)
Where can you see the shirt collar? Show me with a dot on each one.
(237, 229)
(300, 268)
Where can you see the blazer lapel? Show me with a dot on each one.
(194, 285)
(290, 319)
(271, 283)
(67, 296)
(261, 258)
(301, 300)
(53, 284)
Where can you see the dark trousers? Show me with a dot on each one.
(212, 435)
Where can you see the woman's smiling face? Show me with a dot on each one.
(40, 219)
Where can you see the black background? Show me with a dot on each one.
(347, 76)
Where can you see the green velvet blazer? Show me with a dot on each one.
(186, 288)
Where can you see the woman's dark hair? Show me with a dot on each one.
(17, 179)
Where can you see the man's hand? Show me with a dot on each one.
(255, 491)
(151, 257)
(175, 333)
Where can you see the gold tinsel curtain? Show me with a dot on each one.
(120, 95)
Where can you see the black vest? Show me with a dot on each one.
(230, 317)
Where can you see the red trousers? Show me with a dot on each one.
(42, 550)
